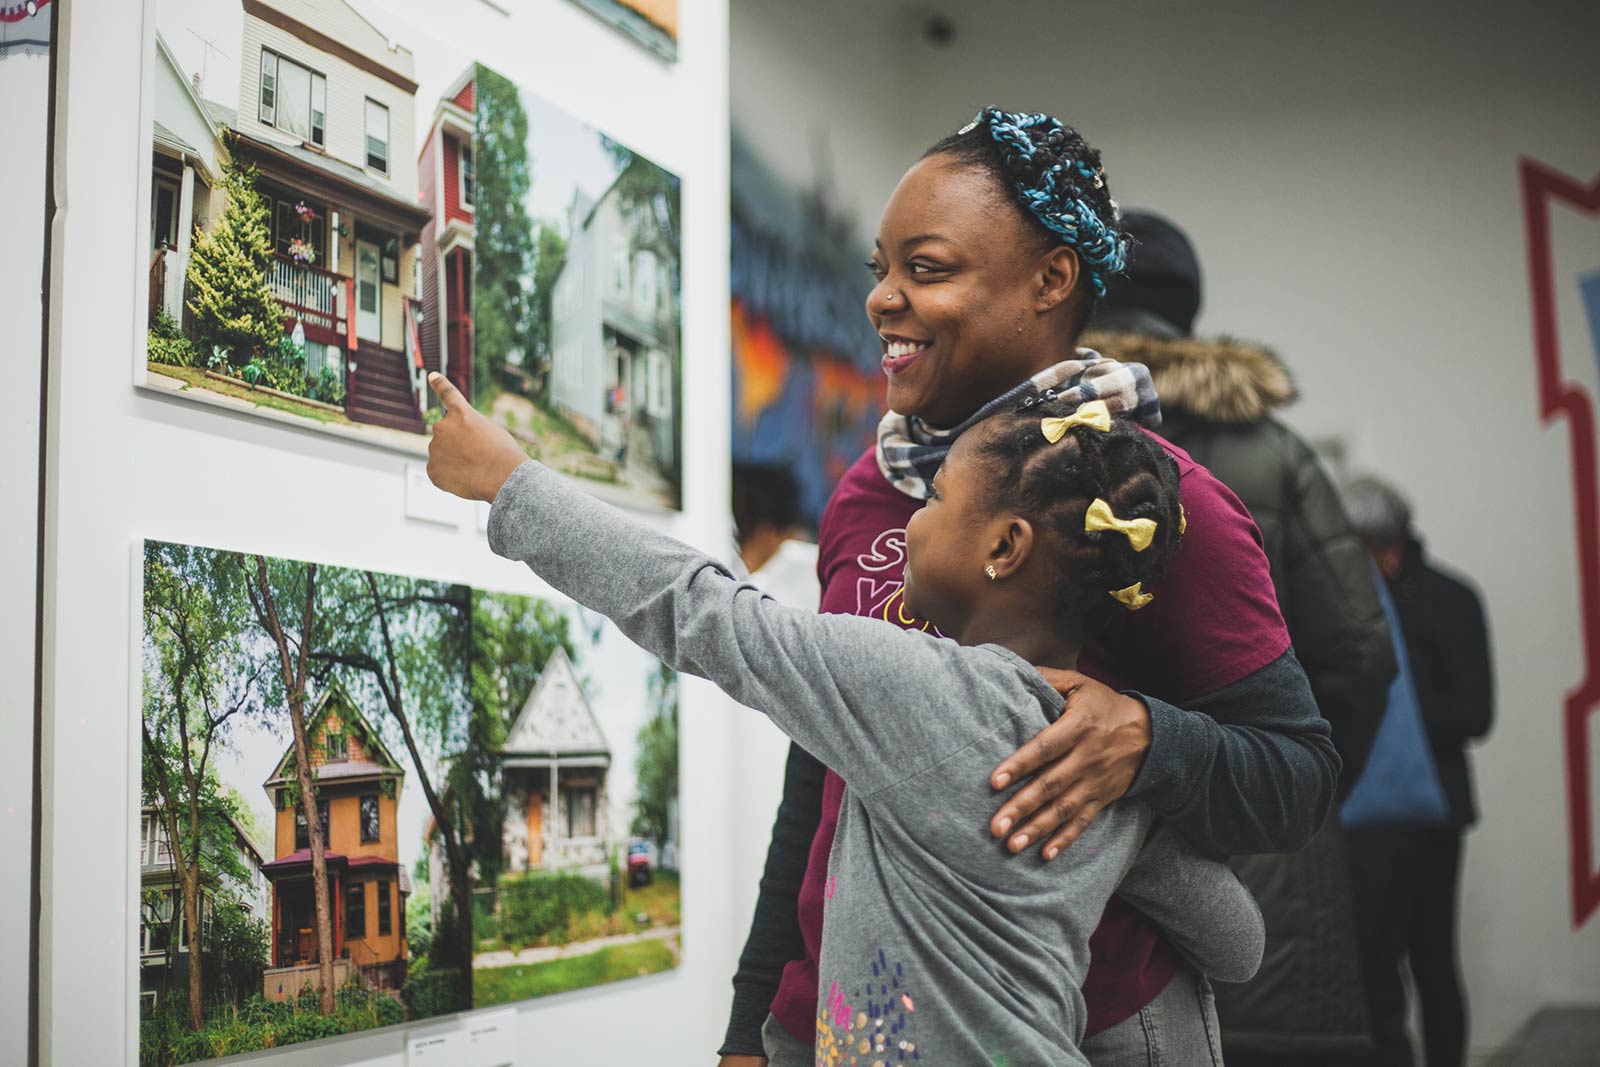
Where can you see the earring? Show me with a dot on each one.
(989, 570)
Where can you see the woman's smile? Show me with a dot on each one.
(901, 353)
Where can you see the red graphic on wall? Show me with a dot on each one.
(1543, 187)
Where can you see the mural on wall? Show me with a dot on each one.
(340, 204)
(576, 300)
(808, 388)
(1560, 213)
(652, 24)
(368, 799)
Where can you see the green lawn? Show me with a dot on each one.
(503, 985)
(195, 378)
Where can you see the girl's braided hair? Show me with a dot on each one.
(1055, 176)
(1053, 485)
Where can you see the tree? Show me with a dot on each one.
(504, 242)
(198, 677)
(299, 582)
(232, 304)
(550, 252)
(657, 766)
(651, 201)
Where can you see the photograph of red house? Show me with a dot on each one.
(447, 181)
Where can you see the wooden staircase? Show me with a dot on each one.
(380, 390)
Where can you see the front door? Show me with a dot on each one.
(535, 828)
(369, 293)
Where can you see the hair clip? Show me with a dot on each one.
(969, 127)
(1183, 522)
(1094, 416)
(1100, 518)
(1047, 396)
(1134, 597)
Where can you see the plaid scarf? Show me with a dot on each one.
(909, 452)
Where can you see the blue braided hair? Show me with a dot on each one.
(1056, 177)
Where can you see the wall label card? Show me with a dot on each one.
(436, 1048)
(491, 1039)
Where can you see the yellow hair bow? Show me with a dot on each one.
(1095, 415)
(1140, 532)
(1134, 596)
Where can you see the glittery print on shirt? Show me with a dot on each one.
(880, 593)
(873, 1026)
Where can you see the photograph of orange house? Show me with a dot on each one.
(358, 791)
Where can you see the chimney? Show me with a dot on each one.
(196, 79)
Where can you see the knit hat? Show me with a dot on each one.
(1160, 292)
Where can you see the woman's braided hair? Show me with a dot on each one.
(1053, 485)
(1056, 178)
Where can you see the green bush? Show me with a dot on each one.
(239, 946)
(176, 351)
(433, 992)
(258, 1023)
(327, 386)
(165, 326)
(540, 906)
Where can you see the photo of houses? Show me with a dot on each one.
(321, 174)
(652, 24)
(369, 799)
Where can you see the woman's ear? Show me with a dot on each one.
(1059, 275)
(1010, 546)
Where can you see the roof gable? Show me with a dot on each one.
(557, 718)
(336, 698)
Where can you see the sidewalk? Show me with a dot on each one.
(505, 958)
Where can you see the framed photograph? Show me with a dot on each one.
(368, 799)
(325, 229)
(651, 24)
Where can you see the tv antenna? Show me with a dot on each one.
(205, 57)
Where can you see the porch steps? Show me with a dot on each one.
(380, 391)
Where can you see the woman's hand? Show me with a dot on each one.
(1080, 763)
(469, 455)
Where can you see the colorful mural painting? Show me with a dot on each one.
(1564, 283)
(807, 388)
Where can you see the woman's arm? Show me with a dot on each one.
(1234, 751)
(775, 937)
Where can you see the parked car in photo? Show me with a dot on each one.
(641, 862)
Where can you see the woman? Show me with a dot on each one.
(990, 255)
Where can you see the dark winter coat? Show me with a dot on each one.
(1217, 399)
(1448, 641)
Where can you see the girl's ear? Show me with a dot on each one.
(1010, 546)
(1058, 277)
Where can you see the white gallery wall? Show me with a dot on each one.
(1349, 175)
(24, 130)
(126, 465)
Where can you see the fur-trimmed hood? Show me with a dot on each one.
(1221, 380)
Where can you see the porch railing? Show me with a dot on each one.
(413, 341)
(320, 299)
(158, 282)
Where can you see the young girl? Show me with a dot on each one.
(989, 257)
(1040, 526)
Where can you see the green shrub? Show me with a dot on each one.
(327, 386)
(239, 945)
(540, 906)
(175, 351)
(433, 992)
(165, 326)
(258, 1023)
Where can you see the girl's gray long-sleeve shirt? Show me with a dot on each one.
(937, 943)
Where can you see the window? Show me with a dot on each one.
(377, 136)
(154, 848)
(369, 819)
(385, 924)
(162, 924)
(163, 213)
(580, 812)
(334, 744)
(619, 266)
(469, 177)
(644, 282)
(288, 226)
(301, 838)
(293, 98)
(355, 910)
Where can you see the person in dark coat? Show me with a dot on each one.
(1306, 1006)
(1408, 878)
